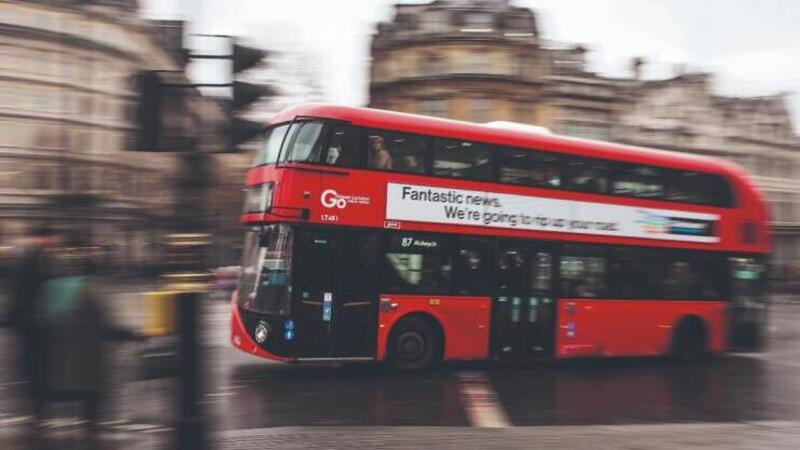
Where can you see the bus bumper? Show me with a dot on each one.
(241, 339)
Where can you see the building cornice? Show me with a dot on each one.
(78, 42)
(455, 77)
(426, 39)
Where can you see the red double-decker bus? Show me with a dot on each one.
(388, 236)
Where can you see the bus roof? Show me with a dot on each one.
(413, 123)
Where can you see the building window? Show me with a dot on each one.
(436, 107)
(600, 132)
(480, 61)
(478, 22)
(433, 21)
(433, 64)
(480, 109)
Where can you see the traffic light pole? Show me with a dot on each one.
(187, 245)
(188, 254)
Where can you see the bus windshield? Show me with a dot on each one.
(265, 280)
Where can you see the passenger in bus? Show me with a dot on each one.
(411, 164)
(380, 156)
(335, 149)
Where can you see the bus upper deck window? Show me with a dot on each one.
(587, 175)
(342, 148)
(700, 188)
(398, 152)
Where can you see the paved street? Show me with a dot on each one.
(739, 401)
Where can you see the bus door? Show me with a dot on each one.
(313, 298)
(336, 298)
(541, 302)
(355, 302)
(748, 308)
(509, 303)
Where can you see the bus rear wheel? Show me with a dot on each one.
(414, 344)
(689, 340)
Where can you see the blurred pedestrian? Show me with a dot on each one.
(35, 267)
(74, 327)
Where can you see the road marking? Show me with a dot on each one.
(480, 401)
(15, 420)
(118, 426)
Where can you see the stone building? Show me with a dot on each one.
(484, 60)
(683, 114)
(66, 119)
(467, 60)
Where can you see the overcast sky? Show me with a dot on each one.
(752, 46)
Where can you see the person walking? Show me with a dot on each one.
(73, 322)
(28, 279)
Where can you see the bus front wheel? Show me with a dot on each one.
(414, 344)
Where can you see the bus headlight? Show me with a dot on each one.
(258, 198)
(261, 332)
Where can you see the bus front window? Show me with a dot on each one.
(264, 284)
(271, 145)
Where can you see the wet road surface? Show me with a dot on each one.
(727, 388)
(251, 402)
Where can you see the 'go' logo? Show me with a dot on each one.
(332, 199)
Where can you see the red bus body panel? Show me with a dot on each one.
(631, 327)
(464, 322)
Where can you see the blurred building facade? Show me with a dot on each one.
(67, 117)
(484, 60)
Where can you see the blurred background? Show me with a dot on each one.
(712, 78)
(715, 79)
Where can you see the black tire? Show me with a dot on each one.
(414, 344)
(689, 341)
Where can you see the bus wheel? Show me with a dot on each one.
(414, 344)
(689, 340)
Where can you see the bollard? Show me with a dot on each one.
(188, 281)
(190, 426)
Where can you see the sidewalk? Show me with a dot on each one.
(773, 435)
(751, 435)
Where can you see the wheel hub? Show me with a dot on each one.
(410, 346)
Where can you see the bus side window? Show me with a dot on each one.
(417, 264)
(471, 275)
(638, 181)
(343, 146)
(634, 273)
(541, 268)
(463, 159)
(583, 272)
(397, 152)
(587, 175)
(529, 167)
(700, 188)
